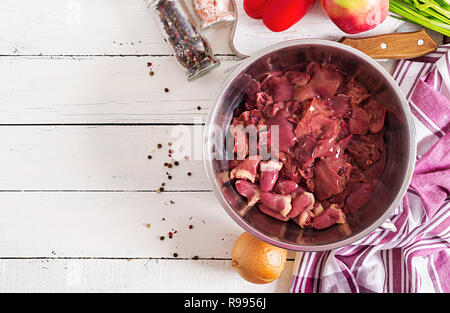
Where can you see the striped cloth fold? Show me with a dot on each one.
(410, 252)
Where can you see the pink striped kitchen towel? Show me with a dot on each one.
(410, 252)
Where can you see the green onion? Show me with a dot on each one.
(433, 14)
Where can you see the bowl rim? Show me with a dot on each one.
(207, 145)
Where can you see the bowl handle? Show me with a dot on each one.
(394, 46)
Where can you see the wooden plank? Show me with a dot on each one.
(129, 225)
(115, 224)
(64, 90)
(59, 275)
(106, 90)
(111, 158)
(86, 27)
(80, 90)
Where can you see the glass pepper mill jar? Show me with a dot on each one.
(190, 47)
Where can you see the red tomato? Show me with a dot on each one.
(279, 15)
(253, 8)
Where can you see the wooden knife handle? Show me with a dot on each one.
(394, 46)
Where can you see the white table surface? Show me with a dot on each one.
(79, 114)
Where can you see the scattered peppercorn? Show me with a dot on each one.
(166, 89)
(152, 73)
(161, 189)
(176, 163)
(159, 146)
(191, 226)
(163, 184)
(165, 164)
(161, 238)
(169, 177)
(189, 174)
(195, 258)
(199, 108)
(169, 166)
(172, 202)
(175, 255)
(170, 234)
(149, 157)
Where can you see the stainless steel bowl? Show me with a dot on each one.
(399, 138)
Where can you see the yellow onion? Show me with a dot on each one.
(257, 261)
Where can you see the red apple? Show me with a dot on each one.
(356, 16)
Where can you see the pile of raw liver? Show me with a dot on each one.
(331, 146)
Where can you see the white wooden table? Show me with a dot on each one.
(79, 116)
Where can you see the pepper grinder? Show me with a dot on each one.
(191, 49)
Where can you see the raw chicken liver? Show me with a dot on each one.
(331, 149)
